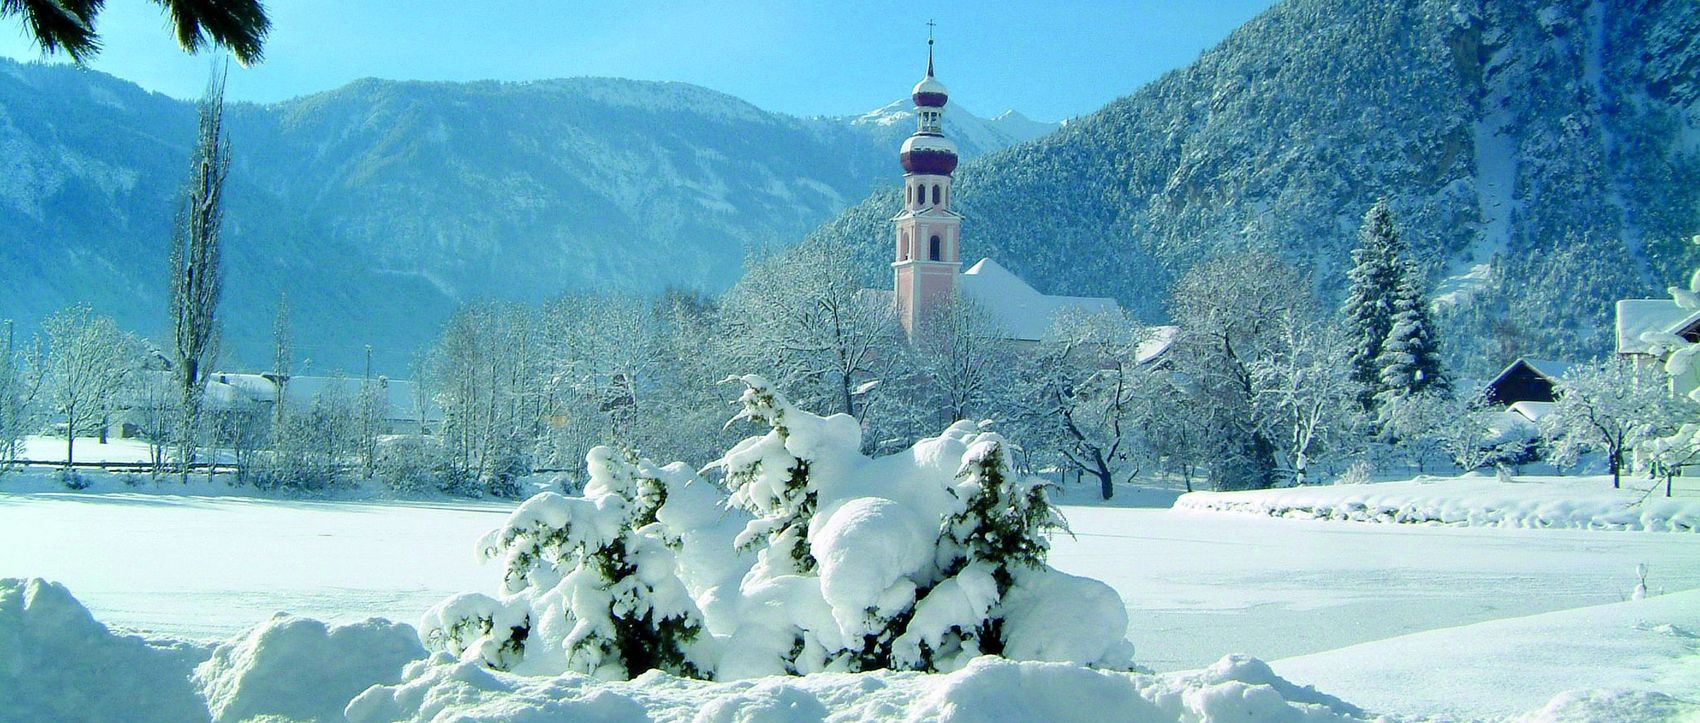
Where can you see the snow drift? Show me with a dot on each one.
(58, 663)
(1474, 501)
(987, 688)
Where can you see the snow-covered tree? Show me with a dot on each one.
(591, 583)
(1409, 360)
(482, 375)
(1612, 407)
(999, 534)
(318, 442)
(1231, 311)
(805, 323)
(20, 383)
(917, 560)
(1303, 395)
(89, 364)
(969, 368)
(283, 362)
(1368, 310)
(1083, 390)
(770, 480)
(197, 275)
(1474, 433)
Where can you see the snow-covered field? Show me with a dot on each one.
(1326, 600)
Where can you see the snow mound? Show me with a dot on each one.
(988, 688)
(1564, 503)
(300, 669)
(1601, 705)
(58, 663)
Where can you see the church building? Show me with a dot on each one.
(927, 267)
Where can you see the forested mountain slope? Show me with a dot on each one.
(1542, 157)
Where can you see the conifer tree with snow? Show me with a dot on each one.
(592, 583)
(771, 482)
(1409, 359)
(1374, 276)
(999, 533)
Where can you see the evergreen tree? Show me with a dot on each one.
(1409, 360)
(592, 582)
(1368, 309)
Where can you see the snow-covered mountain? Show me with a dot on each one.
(1542, 156)
(381, 205)
(975, 136)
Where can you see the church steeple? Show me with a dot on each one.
(928, 232)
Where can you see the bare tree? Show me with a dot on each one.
(969, 366)
(1303, 394)
(803, 319)
(1612, 407)
(196, 275)
(479, 373)
(1231, 311)
(1082, 388)
(282, 360)
(89, 363)
(20, 383)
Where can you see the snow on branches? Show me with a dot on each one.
(814, 558)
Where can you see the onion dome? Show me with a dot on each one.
(929, 154)
(930, 93)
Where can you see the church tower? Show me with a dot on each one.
(928, 233)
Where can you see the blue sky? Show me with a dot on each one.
(1049, 60)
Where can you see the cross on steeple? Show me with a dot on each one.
(930, 24)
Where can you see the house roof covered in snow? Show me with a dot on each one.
(1161, 339)
(1025, 313)
(1636, 317)
(1550, 370)
(1533, 411)
(401, 397)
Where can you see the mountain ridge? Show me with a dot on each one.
(380, 205)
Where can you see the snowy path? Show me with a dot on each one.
(1197, 585)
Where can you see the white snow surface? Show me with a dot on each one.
(1195, 586)
(1533, 502)
(988, 689)
(1613, 658)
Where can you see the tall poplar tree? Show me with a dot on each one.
(196, 273)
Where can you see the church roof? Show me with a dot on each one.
(1025, 312)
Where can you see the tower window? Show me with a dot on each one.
(935, 194)
(933, 249)
(903, 247)
(908, 194)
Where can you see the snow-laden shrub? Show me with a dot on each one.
(815, 558)
(591, 583)
(909, 561)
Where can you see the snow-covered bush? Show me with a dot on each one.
(591, 583)
(816, 558)
(913, 560)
